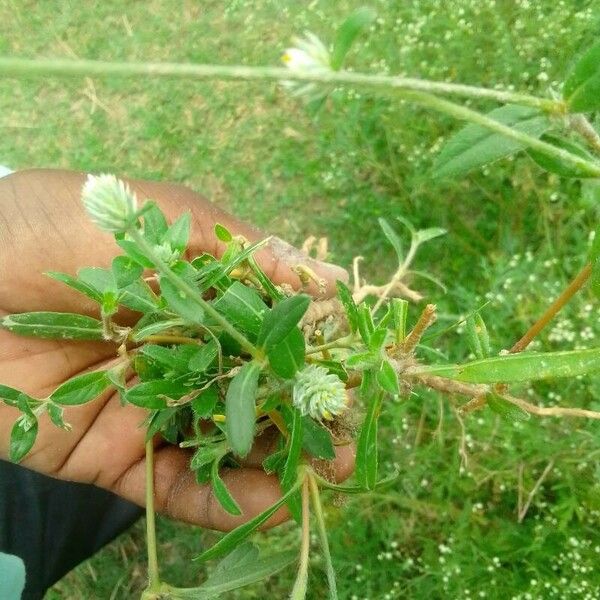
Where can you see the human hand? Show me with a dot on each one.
(43, 227)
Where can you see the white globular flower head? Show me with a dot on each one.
(309, 52)
(109, 203)
(319, 393)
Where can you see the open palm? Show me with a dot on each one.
(43, 227)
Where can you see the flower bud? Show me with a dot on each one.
(319, 393)
(109, 202)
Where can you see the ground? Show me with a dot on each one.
(515, 237)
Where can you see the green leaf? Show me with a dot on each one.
(140, 333)
(477, 335)
(555, 165)
(206, 455)
(290, 469)
(139, 297)
(365, 323)
(242, 307)
(221, 492)
(425, 235)
(507, 410)
(131, 249)
(281, 320)
(525, 366)
(475, 146)
(582, 87)
(287, 357)
(223, 233)
(347, 33)
(158, 420)
(81, 389)
(54, 325)
(22, 437)
(393, 238)
(362, 360)
(125, 271)
(13, 397)
(316, 439)
(399, 312)
(154, 394)
(237, 573)
(240, 408)
(366, 447)
(76, 284)
(155, 224)
(180, 303)
(55, 413)
(594, 258)
(387, 378)
(178, 234)
(203, 357)
(347, 301)
(377, 339)
(381, 485)
(204, 404)
(335, 367)
(100, 279)
(238, 535)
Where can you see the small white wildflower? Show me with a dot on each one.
(109, 202)
(319, 393)
(308, 53)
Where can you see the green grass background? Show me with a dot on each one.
(515, 237)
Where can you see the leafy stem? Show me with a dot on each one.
(192, 294)
(300, 585)
(89, 68)
(322, 530)
(153, 574)
(466, 114)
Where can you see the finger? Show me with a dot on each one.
(177, 495)
(278, 259)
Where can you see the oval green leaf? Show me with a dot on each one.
(240, 408)
(81, 389)
(53, 325)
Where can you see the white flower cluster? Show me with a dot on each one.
(109, 202)
(319, 393)
(309, 53)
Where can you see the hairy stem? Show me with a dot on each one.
(11, 66)
(300, 585)
(553, 309)
(321, 528)
(192, 294)
(153, 575)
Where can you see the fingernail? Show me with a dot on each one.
(293, 257)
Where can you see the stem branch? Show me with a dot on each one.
(12, 66)
(153, 575)
(192, 294)
(322, 530)
(300, 585)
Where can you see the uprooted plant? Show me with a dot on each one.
(222, 354)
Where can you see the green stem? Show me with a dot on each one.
(322, 530)
(466, 114)
(192, 294)
(344, 342)
(301, 583)
(89, 68)
(153, 575)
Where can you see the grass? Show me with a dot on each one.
(515, 238)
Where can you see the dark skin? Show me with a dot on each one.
(43, 227)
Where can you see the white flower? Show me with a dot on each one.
(109, 202)
(309, 53)
(319, 393)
